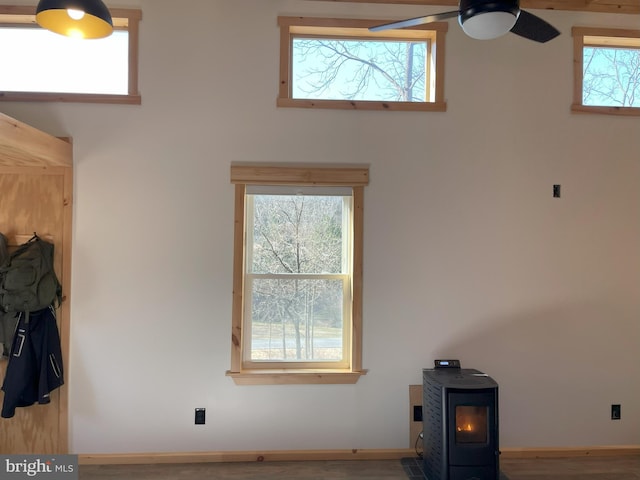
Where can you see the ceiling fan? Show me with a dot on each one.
(486, 19)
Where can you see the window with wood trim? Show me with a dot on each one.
(47, 67)
(606, 71)
(297, 280)
(339, 63)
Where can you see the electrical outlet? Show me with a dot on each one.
(556, 191)
(615, 412)
(200, 416)
(417, 413)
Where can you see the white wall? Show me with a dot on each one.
(467, 255)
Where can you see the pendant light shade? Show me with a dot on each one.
(75, 18)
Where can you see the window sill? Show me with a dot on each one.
(295, 377)
(70, 98)
(363, 105)
(625, 111)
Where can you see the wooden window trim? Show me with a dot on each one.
(609, 36)
(297, 26)
(242, 175)
(123, 19)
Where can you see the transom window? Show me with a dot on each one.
(339, 63)
(297, 275)
(606, 70)
(44, 66)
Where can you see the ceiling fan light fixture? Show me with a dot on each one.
(488, 25)
(75, 18)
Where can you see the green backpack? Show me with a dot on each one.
(8, 321)
(27, 280)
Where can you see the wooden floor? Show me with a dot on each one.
(581, 468)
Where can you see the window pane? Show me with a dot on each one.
(611, 77)
(333, 69)
(298, 234)
(296, 320)
(47, 62)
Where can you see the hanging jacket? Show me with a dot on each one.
(8, 324)
(35, 362)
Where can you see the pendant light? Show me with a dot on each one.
(75, 18)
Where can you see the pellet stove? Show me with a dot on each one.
(460, 423)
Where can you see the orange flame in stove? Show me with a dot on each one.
(465, 428)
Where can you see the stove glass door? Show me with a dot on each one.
(471, 424)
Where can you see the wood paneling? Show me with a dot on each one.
(36, 196)
(595, 6)
(23, 145)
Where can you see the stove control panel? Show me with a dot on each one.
(447, 363)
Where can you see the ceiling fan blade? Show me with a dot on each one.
(412, 22)
(534, 28)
